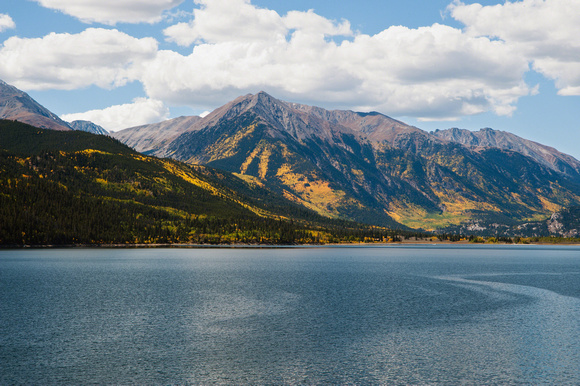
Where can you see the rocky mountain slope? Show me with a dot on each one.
(489, 138)
(365, 166)
(88, 126)
(344, 165)
(564, 223)
(17, 105)
(150, 138)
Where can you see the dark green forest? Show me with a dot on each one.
(71, 188)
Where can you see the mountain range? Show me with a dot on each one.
(488, 138)
(346, 165)
(369, 167)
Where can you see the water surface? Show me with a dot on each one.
(364, 315)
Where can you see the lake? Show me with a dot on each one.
(322, 315)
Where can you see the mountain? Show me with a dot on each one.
(88, 126)
(272, 141)
(17, 105)
(148, 138)
(488, 138)
(80, 188)
(155, 138)
(365, 166)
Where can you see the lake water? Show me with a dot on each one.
(342, 315)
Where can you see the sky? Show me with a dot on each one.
(434, 64)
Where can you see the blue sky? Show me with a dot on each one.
(509, 65)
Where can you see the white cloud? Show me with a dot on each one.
(6, 22)
(142, 111)
(435, 72)
(96, 56)
(544, 31)
(430, 73)
(112, 11)
(225, 21)
(315, 24)
(220, 21)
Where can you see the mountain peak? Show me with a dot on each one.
(264, 94)
(17, 105)
(250, 100)
(264, 99)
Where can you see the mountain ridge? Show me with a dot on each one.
(148, 138)
(369, 167)
(88, 126)
(17, 105)
(347, 165)
(488, 137)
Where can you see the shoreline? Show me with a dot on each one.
(258, 246)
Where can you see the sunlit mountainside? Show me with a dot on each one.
(369, 167)
(80, 188)
(259, 169)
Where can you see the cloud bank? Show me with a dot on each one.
(434, 72)
(96, 56)
(545, 32)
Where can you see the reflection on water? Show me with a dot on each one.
(410, 315)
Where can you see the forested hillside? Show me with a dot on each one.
(79, 188)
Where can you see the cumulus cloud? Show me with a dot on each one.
(225, 21)
(112, 11)
(544, 31)
(6, 22)
(431, 73)
(219, 21)
(312, 23)
(102, 57)
(142, 111)
(435, 72)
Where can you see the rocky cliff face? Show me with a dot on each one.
(17, 105)
(367, 166)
